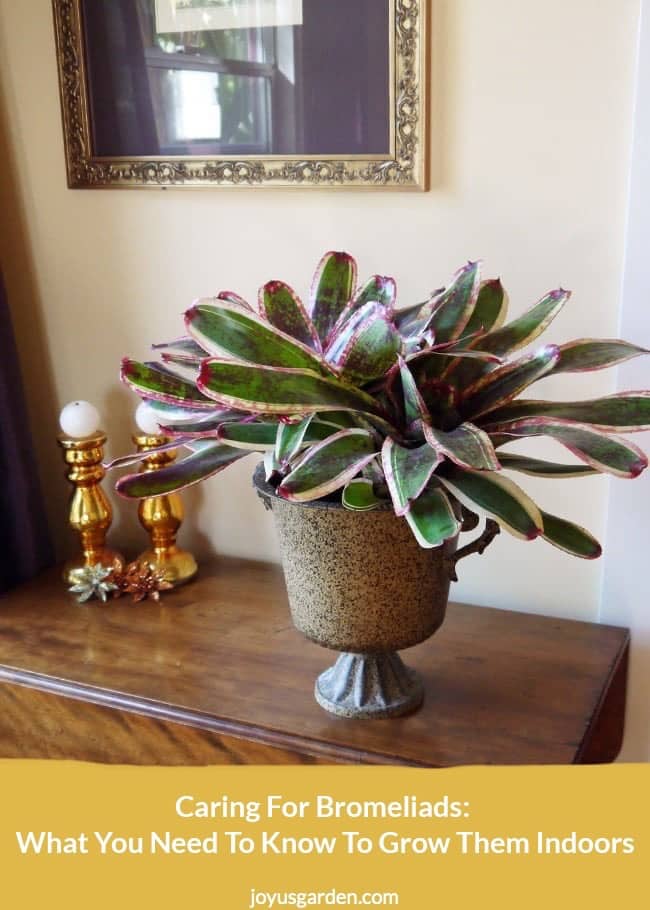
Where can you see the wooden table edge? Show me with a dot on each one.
(608, 717)
(149, 708)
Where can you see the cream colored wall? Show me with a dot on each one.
(530, 141)
(625, 564)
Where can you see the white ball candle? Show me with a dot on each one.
(147, 420)
(79, 419)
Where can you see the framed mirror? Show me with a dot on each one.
(306, 93)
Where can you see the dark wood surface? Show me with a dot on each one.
(216, 673)
(36, 724)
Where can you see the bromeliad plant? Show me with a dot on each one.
(350, 397)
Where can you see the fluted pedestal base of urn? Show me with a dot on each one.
(369, 685)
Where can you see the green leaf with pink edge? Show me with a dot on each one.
(414, 406)
(491, 308)
(208, 459)
(506, 382)
(498, 440)
(411, 321)
(231, 297)
(359, 496)
(328, 466)
(467, 446)
(227, 329)
(625, 412)
(523, 331)
(341, 419)
(260, 436)
(511, 337)
(389, 394)
(537, 467)
(438, 360)
(202, 429)
(587, 354)
(371, 351)
(171, 416)
(158, 384)
(286, 312)
(407, 472)
(595, 447)
(378, 289)
(282, 392)
(432, 518)
(494, 496)
(291, 438)
(177, 369)
(341, 340)
(332, 289)
(185, 348)
(189, 361)
(570, 537)
(136, 457)
(253, 436)
(456, 305)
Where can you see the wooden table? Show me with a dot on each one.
(216, 674)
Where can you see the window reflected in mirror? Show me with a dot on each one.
(238, 77)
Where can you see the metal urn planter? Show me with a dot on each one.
(359, 583)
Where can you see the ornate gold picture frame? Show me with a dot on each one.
(385, 145)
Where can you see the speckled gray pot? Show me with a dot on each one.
(358, 582)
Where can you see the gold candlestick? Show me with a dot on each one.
(91, 514)
(161, 517)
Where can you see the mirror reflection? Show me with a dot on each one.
(238, 77)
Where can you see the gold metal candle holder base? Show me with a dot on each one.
(161, 517)
(90, 511)
(178, 565)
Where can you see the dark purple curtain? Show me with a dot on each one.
(346, 103)
(120, 97)
(25, 546)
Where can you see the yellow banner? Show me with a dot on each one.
(89, 836)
